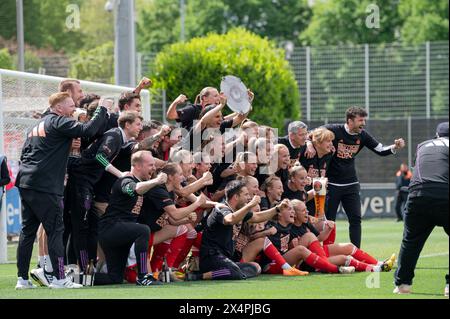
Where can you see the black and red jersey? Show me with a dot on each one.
(342, 167)
(153, 213)
(124, 204)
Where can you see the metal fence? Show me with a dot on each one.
(392, 81)
(381, 170)
(24, 94)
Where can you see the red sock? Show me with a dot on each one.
(183, 252)
(196, 245)
(317, 248)
(130, 274)
(175, 248)
(159, 251)
(363, 256)
(331, 237)
(359, 265)
(321, 263)
(272, 252)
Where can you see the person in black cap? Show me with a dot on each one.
(426, 206)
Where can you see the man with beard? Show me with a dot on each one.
(343, 185)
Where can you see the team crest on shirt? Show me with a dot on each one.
(284, 241)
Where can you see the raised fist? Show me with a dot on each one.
(145, 83)
(162, 178)
(207, 178)
(255, 201)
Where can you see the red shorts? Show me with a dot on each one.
(325, 249)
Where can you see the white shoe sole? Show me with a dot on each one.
(41, 281)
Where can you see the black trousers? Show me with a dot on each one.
(84, 222)
(116, 240)
(400, 204)
(69, 250)
(39, 207)
(351, 202)
(223, 268)
(422, 214)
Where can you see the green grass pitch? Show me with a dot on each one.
(381, 238)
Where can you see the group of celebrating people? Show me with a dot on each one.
(214, 197)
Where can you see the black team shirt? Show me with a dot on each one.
(46, 150)
(125, 204)
(217, 237)
(294, 153)
(122, 162)
(97, 156)
(316, 167)
(342, 167)
(154, 202)
(299, 231)
(290, 194)
(280, 240)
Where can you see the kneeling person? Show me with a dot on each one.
(217, 241)
(118, 229)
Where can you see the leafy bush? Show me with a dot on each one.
(32, 62)
(6, 60)
(188, 67)
(94, 65)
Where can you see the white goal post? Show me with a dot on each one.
(21, 96)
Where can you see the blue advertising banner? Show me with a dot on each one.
(377, 201)
(13, 220)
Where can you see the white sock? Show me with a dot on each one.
(377, 268)
(48, 264)
(380, 262)
(41, 261)
(286, 266)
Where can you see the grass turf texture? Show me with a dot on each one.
(381, 238)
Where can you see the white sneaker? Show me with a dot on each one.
(402, 289)
(65, 283)
(446, 290)
(40, 277)
(346, 269)
(24, 284)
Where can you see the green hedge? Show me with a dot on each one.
(6, 60)
(188, 67)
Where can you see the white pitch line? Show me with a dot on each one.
(434, 255)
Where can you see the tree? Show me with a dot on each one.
(280, 20)
(188, 67)
(344, 22)
(44, 23)
(424, 21)
(96, 25)
(94, 65)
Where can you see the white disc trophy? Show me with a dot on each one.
(236, 93)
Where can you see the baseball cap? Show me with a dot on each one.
(442, 129)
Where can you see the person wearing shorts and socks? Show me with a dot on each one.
(217, 248)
